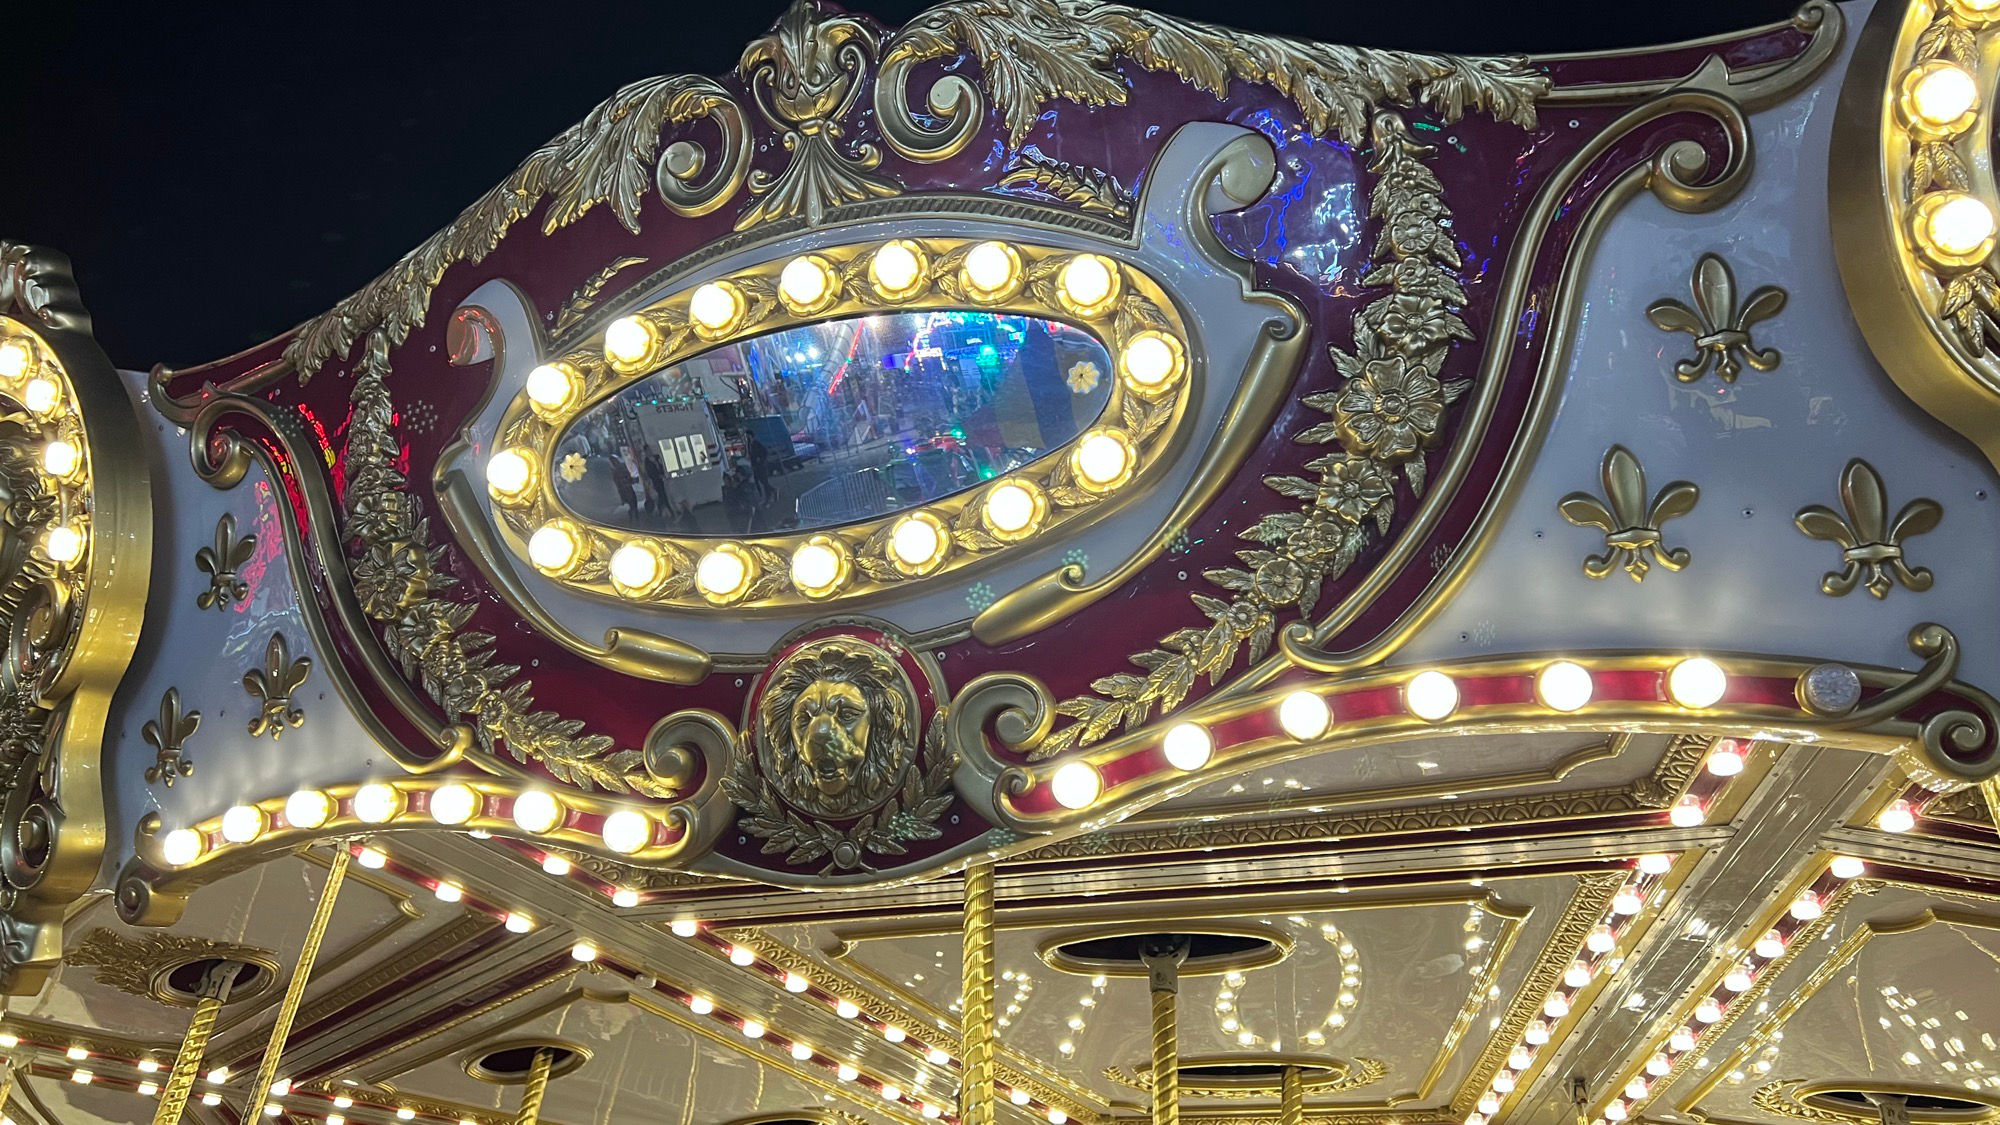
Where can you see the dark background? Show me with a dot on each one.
(222, 171)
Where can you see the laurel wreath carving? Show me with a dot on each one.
(398, 583)
(910, 814)
(1387, 413)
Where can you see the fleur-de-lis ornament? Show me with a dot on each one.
(1721, 331)
(221, 563)
(167, 735)
(273, 685)
(1870, 543)
(1631, 526)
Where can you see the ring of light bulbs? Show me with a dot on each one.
(31, 376)
(1950, 228)
(1115, 302)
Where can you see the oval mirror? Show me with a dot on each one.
(831, 423)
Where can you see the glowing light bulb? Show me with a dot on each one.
(1564, 686)
(715, 307)
(1431, 696)
(1057, 1117)
(449, 892)
(374, 859)
(637, 568)
(1556, 1006)
(1807, 906)
(1655, 863)
(1708, 1011)
(554, 549)
(722, 574)
(1075, 785)
(1087, 283)
(625, 898)
(1658, 1065)
(1697, 682)
(1304, 715)
(15, 358)
(1771, 946)
(1537, 1033)
(41, 395)
(1847, 867)
(846, 1009)
(742, 956)
(63, 544)
(1503, 1082)
(1629, 900)
(148, 1089)
(1957, 225)
(1636, 1088)
(552, 387)
(1011, 508)
(847, 1072)
(1520, 1057)
(1725, 758)
(454, 803)
(894, 1034)
(509, 474)
(76, 1054)
(1683, 1039)
(1489, 1103)
(917, 541)
(181, 847)
(583, 951)
(1687, 812)
(1103, 460)
(518, 923)
(626, 831)
(897, 269)
(1899, 816)
(891, 1093)
(555, 865)
(752, 1029)
(1578, 974)
(242, 824)
(1739, 979)
(1937, 94)
(1151, 360)
(817, 567)
(628, 341)
(61, 459)
(805, 283)
(937, 1056)
(796, 983)
(1187, 746)
(1601, 939)
(1018, 1096)
(700, 1005)
(802, 1051)
(537, 811)
(1616, 1111)
(990, 270)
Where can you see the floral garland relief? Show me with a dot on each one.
(1384, 418)
(398, 583)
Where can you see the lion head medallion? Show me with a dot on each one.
(836, 727)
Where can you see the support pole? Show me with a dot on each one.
(295, 991)
(976, 1089)
(537, 1088)
(6, 1085)
(1292, 1103)
(1163, 955)
(180, 1081)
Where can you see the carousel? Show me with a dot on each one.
(1054, 564)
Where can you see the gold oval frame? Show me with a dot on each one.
(473, 1061)
(158, 988)
(1809, 1096)
(1279, 946)
(1151, 423)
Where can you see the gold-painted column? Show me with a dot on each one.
(537, 1088)
(1163, 956)
(975, 1093)
(180, 1081)
(267, 1071)
(1292, 1099)
(6, 1085)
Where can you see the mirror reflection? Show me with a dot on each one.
(831, 423)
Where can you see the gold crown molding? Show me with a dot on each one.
(1325, 1076)
(1755, 86)
(1793, 1099)
(1831, 967)
(74, 576)
(140, 967)
(1931, 327)
(94, 1040)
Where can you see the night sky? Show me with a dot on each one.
(222, 171)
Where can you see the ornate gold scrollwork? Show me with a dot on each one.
(1870, 542)
(1087, 188)
(585, 297)
(1631, 526)
(1721, 329)
(168, 736)
(273, 686)
(806, 76)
